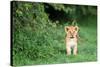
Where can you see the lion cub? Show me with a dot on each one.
(71, 39)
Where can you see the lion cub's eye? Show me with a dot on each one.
(73, 31)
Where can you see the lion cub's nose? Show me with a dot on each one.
(71, 37)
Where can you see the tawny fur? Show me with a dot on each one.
(71, 39)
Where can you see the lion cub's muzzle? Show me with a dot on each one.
(72, 35)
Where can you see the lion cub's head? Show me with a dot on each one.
(71, 31)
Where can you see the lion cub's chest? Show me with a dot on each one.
(71, 42)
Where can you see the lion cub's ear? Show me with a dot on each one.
(76, 28)
(66, 28)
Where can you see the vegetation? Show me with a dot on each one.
(38, 35)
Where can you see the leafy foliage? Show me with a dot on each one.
(37, 39)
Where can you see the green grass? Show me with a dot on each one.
(48, 45)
